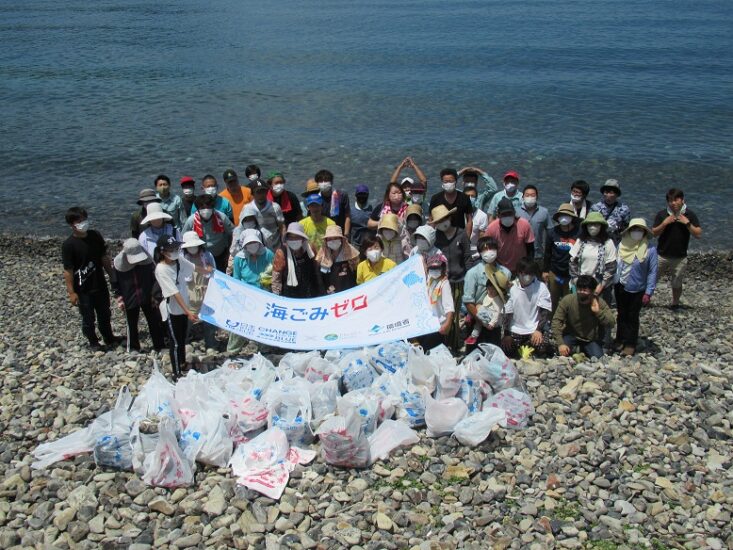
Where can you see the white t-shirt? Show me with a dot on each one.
(165, 274)
(444, 303)
(480, 223)
(525, 303)
(588, 262)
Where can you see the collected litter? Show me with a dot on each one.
(263, 420)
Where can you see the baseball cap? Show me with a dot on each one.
(259, 184)
(229, 175)
(313, 199)
(361, 190)
(505, 206)
(187, 180)
(408, 181)
(511, 174)
(167, 242)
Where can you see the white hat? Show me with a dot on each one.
(250, 236)
(134, 251)
(155, 212)
(191, 239)
(427, 232)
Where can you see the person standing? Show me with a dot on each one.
(338, 261)
(560, 239)
(270, 218)
(673, 227)
(235, 194)
(188, 188)
(295, 271)
(157, 222)
(286, 200)
(441, 302)
(538, 218)
(213, 227)
(375, 263)
(581, 320)
(194, 250)
(514, 235)
(510, 192)
(594, 254)
(471, 176)
(210, 187)
(579, 191)
(395, 202)
(335, 202)
(360, 212)
(145, 197)
(133, 289)
(170, 203)
(454, 200)
(407, 184)
(479, 218)
(85, 259)
(616, 213)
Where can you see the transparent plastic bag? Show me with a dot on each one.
(517, 405)
(441, 416)
(168, 466)
(474, 429)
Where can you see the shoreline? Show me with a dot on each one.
(632, 451)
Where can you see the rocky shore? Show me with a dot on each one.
(621, 453)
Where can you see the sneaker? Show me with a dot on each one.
(115, 340)
(471, 341)
(95, 346)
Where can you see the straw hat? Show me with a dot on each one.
(191, 239)
(389, 221)
(565, 209)
(155, 212)
(595, 217)
(500, 282)
(310, 188)
(638, 223)
(440, 212)
(414, 210)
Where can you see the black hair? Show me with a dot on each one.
(601, 237)
(323, 175)
(162, 177)
(449, 172)
(75, 214)
(675, 193)
(208, 177)
(368, 242)
(252, 169)
(204, 201)
(586, 282)
(487, 242)
(530, 186)
(527, 265)
(390, 186)
(582, 185)
(470, 174)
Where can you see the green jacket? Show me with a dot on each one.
(571, 317)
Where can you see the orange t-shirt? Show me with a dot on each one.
(237, 205)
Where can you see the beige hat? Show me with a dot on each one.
(414, 210)
(333, 231)
(155, 212)
(639, 223)
(191, 239)
(500, 282)
(440, 212)
(389, 221)
(565, 209)
(310, 188)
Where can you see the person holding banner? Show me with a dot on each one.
(252, 265)
(375, 263)
(295, 271)
(441, 302)
(338, 261)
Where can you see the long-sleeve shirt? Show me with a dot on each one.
(576, 319)
(617, 215)
(640, 276)
(216, 243)
(173, 206)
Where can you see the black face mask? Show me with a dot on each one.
(585, 298)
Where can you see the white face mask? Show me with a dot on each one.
(334, 245)
(82, 226)
(277, 189)
(637, 234)
(210, 190)
(507, 221)
(324, 186)
(188, 191)
(172, 255)
(449, 186)
(193, 250)
(249, 225)
(389, 234)
(594, 230)
(422, 245)
(510, 188)
(530, 202)
(252, 177)
(417, 199)
(489, 256)
(526, 279)
(443, 226)
(253, 248)
(295, 244)
(435, 273)
(576, 199)
(373, 255)
(206, 213)
(564, 220)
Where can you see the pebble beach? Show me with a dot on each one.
(620, 453)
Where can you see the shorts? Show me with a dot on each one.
(675, 267)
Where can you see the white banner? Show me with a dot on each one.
(394, 306)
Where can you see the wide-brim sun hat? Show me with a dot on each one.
(611, 185)
(147, 195)
(500, 282)
(440, 212)
(310, 188)
(155, 212)
(565, 209)
(134, 252)
(595, 217)
(638, 223)
(296, 229)
(191, 239)
(389, 221)
(333, 231)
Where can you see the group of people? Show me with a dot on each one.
(500, 268)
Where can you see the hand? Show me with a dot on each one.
(507, 343)
(209, 269)
(490, 326)
(74, 298)
(599, 289)
(670, 219)
(120, 302)
(646, 300)
(444, 328)
(536, 338)
(595, 306)
(408, 162)
(683, 219)
(546, 277)
(192, 317)
(563, 350)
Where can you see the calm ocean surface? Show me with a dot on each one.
(99, 97)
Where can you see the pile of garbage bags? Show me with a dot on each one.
(262, 420)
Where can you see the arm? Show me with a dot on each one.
(651, 278)
(398, 170)
(419, 173)
(609, 272)
(373, 221)
(191, 316)
(695, 230)
(445, 327)
(604, 314)
(69, 281)
(559, 322)
(469, 225)
(107, 265)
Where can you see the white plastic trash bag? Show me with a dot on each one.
(470, 394)
(206, 439)
(297, 361)
(390, 435)
(516, 403)
(112, 434)
(441, 416)
(389, 357)
(356, 372)
(491, 364)
(365, 404)
(246, 415)
(168, 466)
(342, 441)
(265, 450)
(156, 399)
(473, 429)
(422, 368)
(289, 408)
(319, 370)
(323, 400)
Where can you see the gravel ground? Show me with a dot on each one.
(621, 453)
